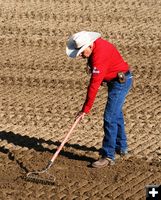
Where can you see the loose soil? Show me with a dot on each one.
(41, 90)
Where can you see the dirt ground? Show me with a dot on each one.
(41, 90)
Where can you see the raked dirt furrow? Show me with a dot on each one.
(41, 91)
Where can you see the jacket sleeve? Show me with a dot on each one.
(98, 74)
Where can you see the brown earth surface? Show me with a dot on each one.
(41, 90)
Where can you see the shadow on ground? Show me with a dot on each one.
(37, 145)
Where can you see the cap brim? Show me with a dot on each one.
(70, 48)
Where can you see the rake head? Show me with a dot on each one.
(42, 177)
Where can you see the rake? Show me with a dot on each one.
(35, 176)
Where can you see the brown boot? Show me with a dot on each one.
(103, 162)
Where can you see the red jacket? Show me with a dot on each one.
(105, 62)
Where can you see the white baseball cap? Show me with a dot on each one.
(78, 42)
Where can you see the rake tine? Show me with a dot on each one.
(34, 177)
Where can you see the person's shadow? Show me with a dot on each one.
(37, 145)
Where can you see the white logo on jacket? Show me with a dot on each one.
(95, 71)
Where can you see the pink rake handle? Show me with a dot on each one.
(65, 140)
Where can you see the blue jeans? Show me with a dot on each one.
(114, 129)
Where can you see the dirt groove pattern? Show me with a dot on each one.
(41, 90)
